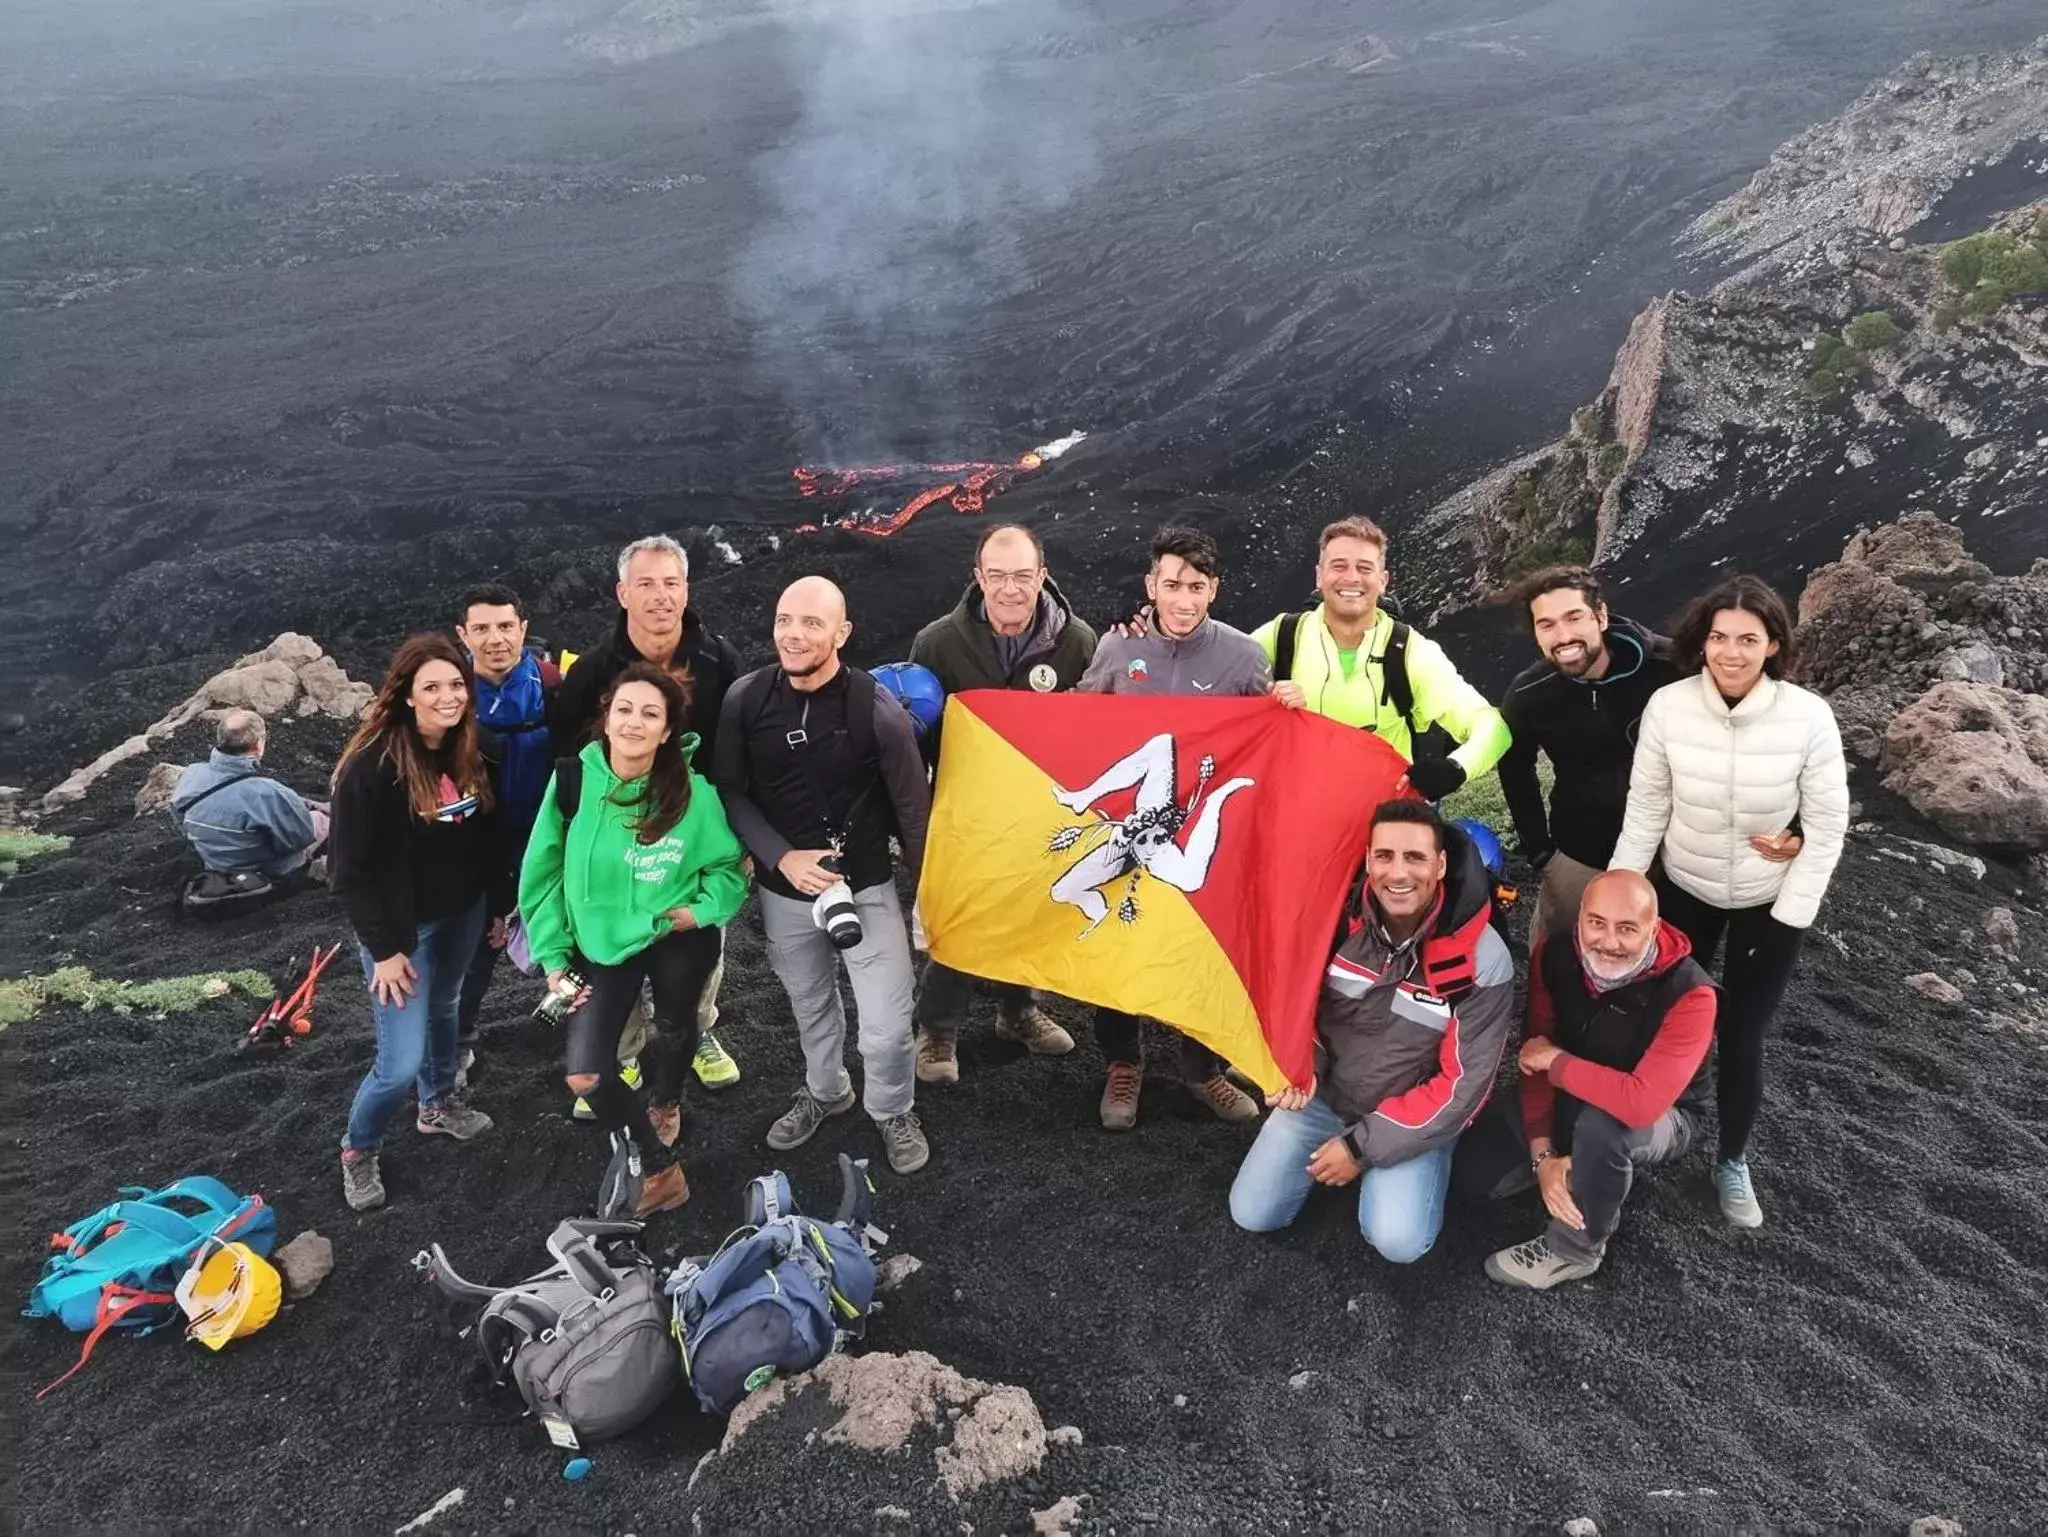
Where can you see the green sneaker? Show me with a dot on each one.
(714, 1065)
(629, 1075)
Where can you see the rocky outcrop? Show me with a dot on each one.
(155, 794)
(881, 1403)
(1973, 760)
(291, 676)
(1907, 607)
(1883, 165)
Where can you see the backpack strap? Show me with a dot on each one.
(1450, 961)
(1286, 639)
(1394, 670)
(116, 1301)
(568, 787)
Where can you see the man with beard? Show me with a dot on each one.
(513, 689)
(1613, 1072)
(818, 767)
(1349, 659)
(1182, 651)
(1410, 1025)
(1580, 706)
(657, 624)
(1011, 629)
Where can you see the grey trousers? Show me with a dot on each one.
(1605, 1156)
(807, 964)
(1557, 906)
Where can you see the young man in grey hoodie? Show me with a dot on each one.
(1182, 651)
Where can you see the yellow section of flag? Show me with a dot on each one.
(986, 899)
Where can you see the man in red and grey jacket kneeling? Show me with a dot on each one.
(1613, 1072)
(1414, 1013)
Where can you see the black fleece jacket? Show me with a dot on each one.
(395, 870)
(1587, 728)
(713, 662)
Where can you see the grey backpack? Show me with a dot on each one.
(586, 1341)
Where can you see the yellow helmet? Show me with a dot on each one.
(229, 1293)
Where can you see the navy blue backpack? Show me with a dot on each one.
(780, 1295)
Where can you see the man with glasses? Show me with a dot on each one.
(1011, 629)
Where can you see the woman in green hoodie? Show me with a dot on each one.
(634, 886)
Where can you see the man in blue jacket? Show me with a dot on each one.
(237, 818)
(513, 691)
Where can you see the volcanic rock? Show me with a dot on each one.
(2003, 930)
(1057, 1518)
(1973, 760)
(156, 791)
(987, 1432)
(1935, 988)
(292, 671)
(304, 1262)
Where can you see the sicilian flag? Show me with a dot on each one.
(1178, 857)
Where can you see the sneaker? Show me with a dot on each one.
(1538, 1266)
(714, 1064)
(1036, 1031)
(938, 1059)
(903, 1143)
(667, 1121)
(629, 1075)
(453, 1117)
(362, 1182)
(664, 1190)
(1226, 1099)
(804, 1116)
(1120, 1096)
(1738, 1196)
(580, 1109)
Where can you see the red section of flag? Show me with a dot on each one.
(1277, 855)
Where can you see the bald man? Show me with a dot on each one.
(818, 768)
(1613, 1072)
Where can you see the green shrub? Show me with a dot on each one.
(1534, 557)
(1612, 457)
(1946, 314)
(1872, 332)
(1825, 347)
(1822, 384)
(18, 845)
(21, 997)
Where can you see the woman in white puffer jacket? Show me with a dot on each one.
(1726, 762)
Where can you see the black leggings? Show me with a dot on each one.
(678, 966)
(1122, 1039)
(1761, 955)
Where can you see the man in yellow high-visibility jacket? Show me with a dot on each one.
(1346, 659)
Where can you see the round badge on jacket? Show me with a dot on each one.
(1043, 678)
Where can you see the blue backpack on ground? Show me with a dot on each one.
(119, 1268)
(784, 1292)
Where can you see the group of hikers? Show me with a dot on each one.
(610, 819)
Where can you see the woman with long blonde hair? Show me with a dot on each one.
(415, 849)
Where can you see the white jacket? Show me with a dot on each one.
(1707, 776)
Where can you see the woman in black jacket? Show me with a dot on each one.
(415, 845)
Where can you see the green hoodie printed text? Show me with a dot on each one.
(602, 893)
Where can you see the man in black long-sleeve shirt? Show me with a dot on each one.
(817, 767)
(1579, 706)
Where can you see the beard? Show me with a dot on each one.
(1592, 658)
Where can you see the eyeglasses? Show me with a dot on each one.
(1020, 579)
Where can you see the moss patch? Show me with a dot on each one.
(18, 845)
(22, 996)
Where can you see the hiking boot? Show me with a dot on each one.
(1036, 1031)
(938, 1059)
(453, 1117)
(713, 1064)
(667, 1121)
(1225, 1099)
(1120, 1096)
(362, 1182)
(1738, 1196)
(804, 1116)
(903, 1143)
(1538, 1266)
(664, 1190)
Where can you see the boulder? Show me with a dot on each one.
(304, 1262)
(2003, 930)
(1916, 548)
(1973, 760)
(1936, 989)
(267, 687)
(985, 1432)
(156, 791)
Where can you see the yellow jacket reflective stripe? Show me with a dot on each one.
(1442, 697)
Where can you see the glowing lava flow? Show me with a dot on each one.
(967, 486)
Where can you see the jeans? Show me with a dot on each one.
(677, 967)
(1761, 955)
(416, 1048)
(1605, 1156)
(942, 1001)
(1121, 1037)
(1400, 1207)
(806, 962)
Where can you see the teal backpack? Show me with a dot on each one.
(120, 1267)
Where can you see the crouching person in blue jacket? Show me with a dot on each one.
(238, 819)
(1410, 1026)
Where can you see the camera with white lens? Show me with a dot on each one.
(834, 912)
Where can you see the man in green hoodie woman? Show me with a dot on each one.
(631, 874)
